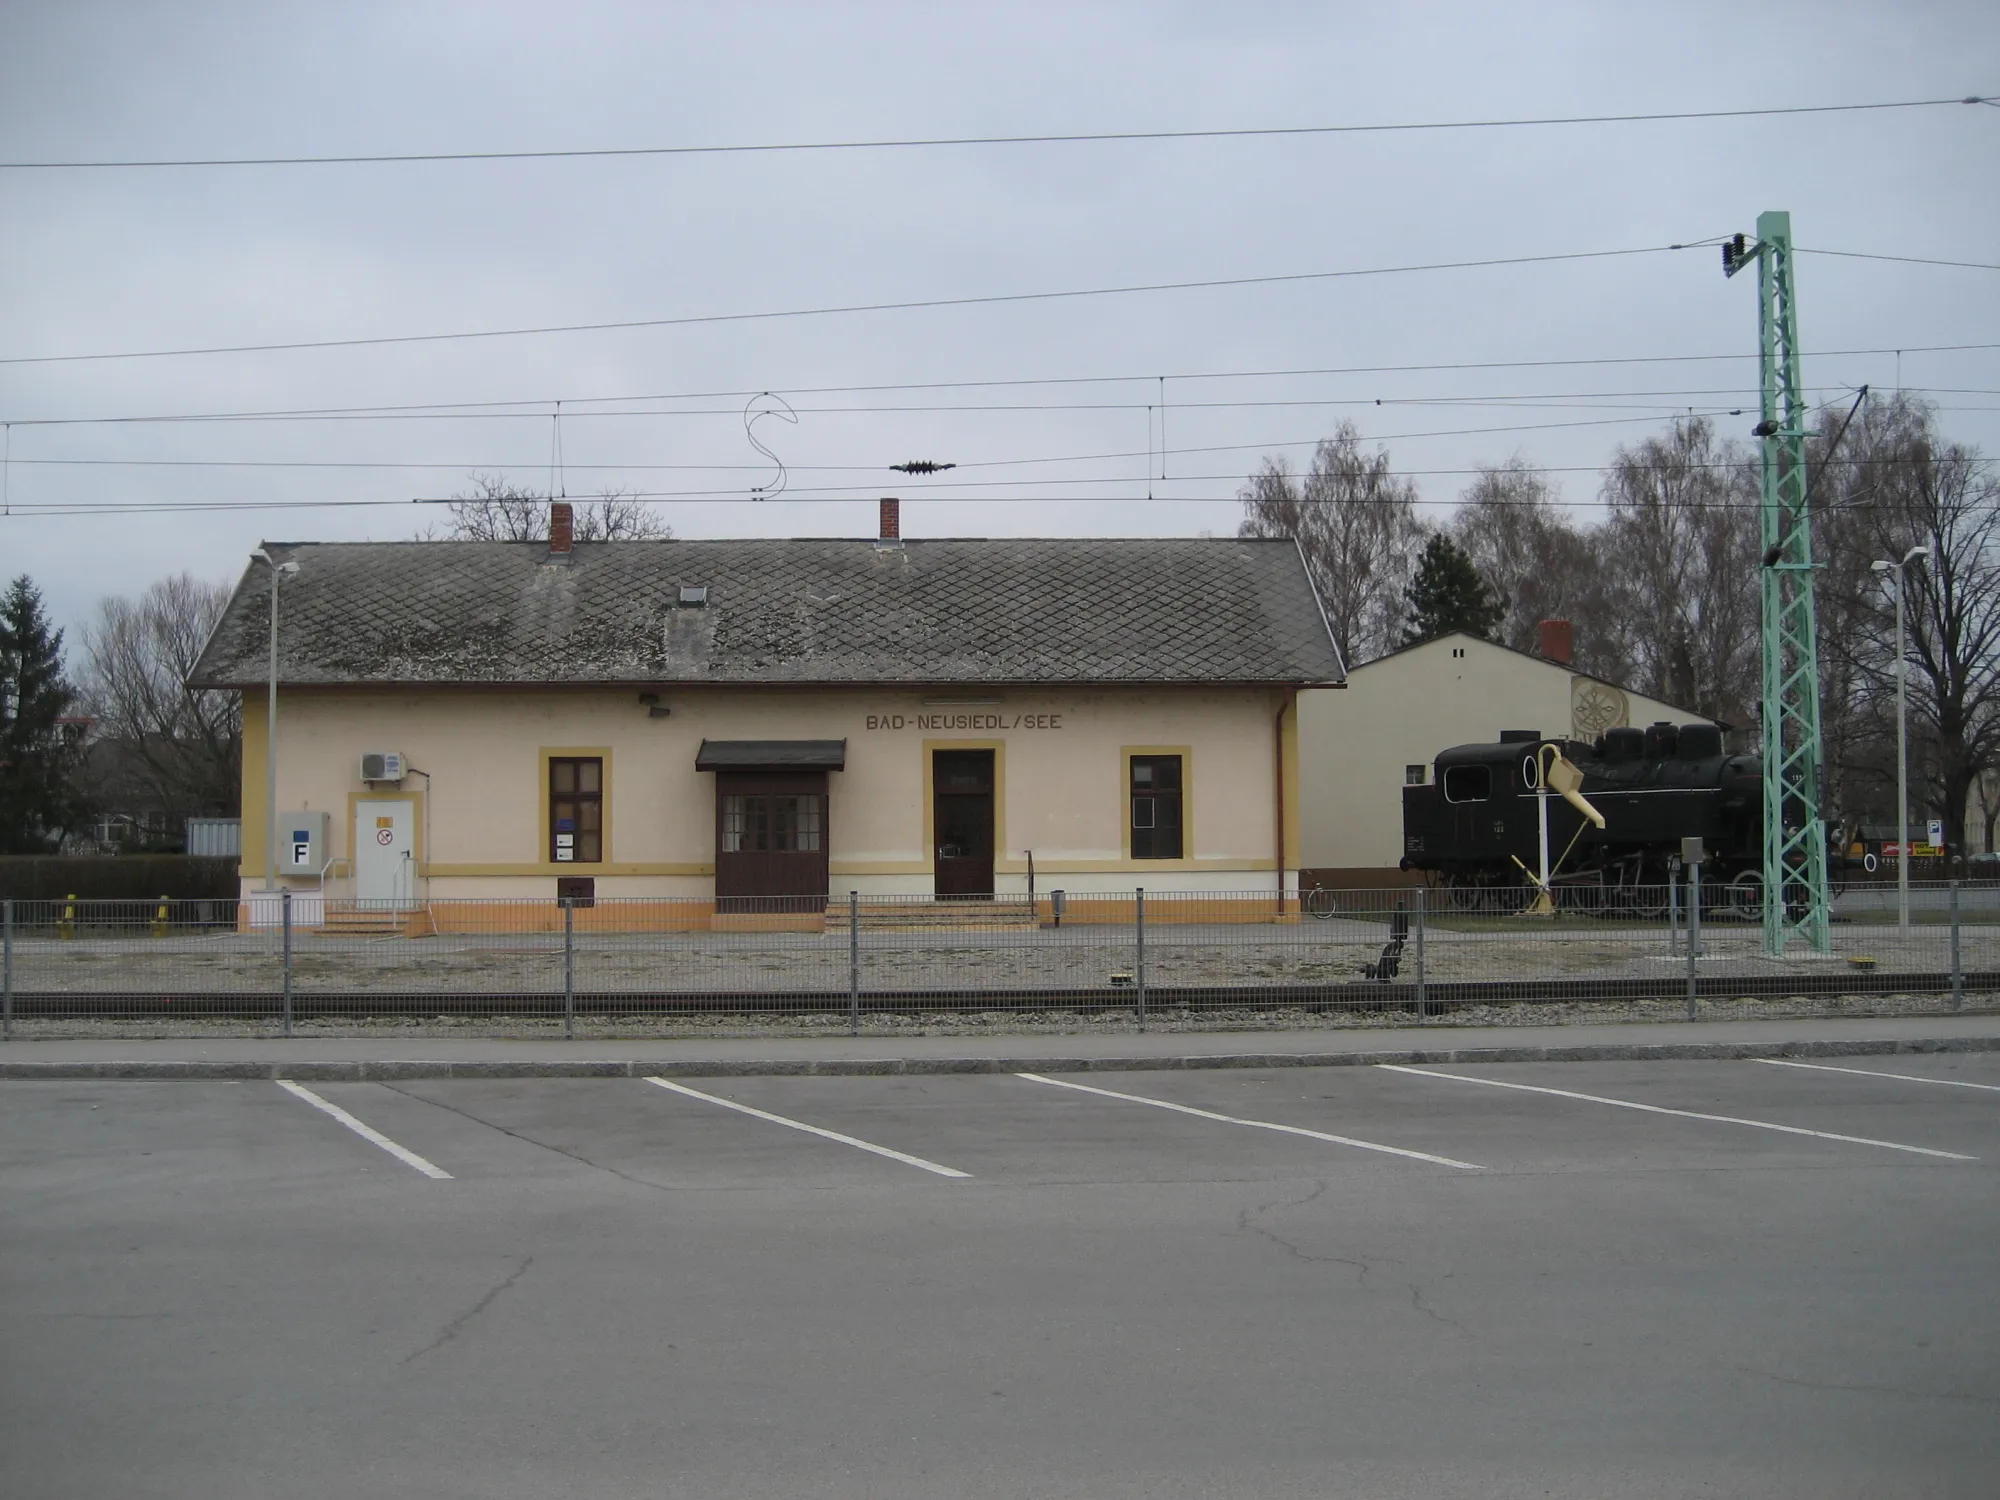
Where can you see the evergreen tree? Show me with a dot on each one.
(1448, 594)
(38, 802)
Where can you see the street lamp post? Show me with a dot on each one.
(1902, 745)
(278, 570)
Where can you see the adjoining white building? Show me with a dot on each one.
(1361, 745)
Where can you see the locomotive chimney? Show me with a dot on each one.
(1558, 641)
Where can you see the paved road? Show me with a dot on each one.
(1728, 1278)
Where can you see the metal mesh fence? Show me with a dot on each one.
(889, 964)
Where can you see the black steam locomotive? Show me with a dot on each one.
(1478, 815)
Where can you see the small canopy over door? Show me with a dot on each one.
(771, 830)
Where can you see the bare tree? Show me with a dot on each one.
(1907, 487)
(495, 511)
(1541, 566)
(1680, 555)
(1356, 523)
(176, 749)
(1857, 718)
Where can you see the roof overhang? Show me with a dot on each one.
(771, 755)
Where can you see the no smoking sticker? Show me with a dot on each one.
(385, 835)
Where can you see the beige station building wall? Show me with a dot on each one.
(478, 792)
(1356, 742)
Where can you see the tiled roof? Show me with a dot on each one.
(1006, 611)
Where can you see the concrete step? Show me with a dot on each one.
(341, 921)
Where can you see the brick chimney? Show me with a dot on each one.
(562, 528)
(892, 520)
(1558, 641)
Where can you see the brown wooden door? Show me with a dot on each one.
(962, 820)
(770, 841)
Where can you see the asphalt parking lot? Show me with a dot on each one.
(1571, 1279)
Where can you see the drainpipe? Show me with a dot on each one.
(1278, 780)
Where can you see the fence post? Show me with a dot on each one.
(1423, 997)
(1673, 915)
(285, 903)
(1694, 910)
(1139, 969)
(569, 965)
(854, 963)
(6, 969)
(1957, 968)
(1694, 928)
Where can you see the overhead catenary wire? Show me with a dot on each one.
(1266, 444)
(1747, 506)
(1907, 260)
(930, 303)
(537, 403)
(914, 304)
(932, 492)
(490, 463)
(1045, 139)
(1553, 399)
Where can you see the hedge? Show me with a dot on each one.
(117, 877)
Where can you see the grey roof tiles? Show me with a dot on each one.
(1154, 610)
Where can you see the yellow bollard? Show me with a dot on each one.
(160, 918)
(66, 923)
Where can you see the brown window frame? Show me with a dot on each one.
(783, 822)
(582, 853)
(1152, 801)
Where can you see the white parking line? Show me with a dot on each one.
(1209, 1114)
(1686, 1114)
(366, 1132)
(1950, 1083)
(831, 1135)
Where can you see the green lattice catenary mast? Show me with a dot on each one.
(1795, 886)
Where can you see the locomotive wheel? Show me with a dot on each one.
(1582, 900)
(1462, 893)
(1647, 901)
(1746, 896)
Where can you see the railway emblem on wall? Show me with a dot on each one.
(1595, 707)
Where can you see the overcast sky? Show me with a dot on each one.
(116, 261)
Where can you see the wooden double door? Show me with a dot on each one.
(770, 840)
(962, 823)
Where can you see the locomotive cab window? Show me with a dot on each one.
(1468, 783)
(1413, 776)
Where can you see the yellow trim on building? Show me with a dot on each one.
(1128, 865)
(458, 871)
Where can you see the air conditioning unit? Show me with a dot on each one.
(382, 765)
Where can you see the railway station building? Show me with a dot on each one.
(1361, 746)
(743, 721)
